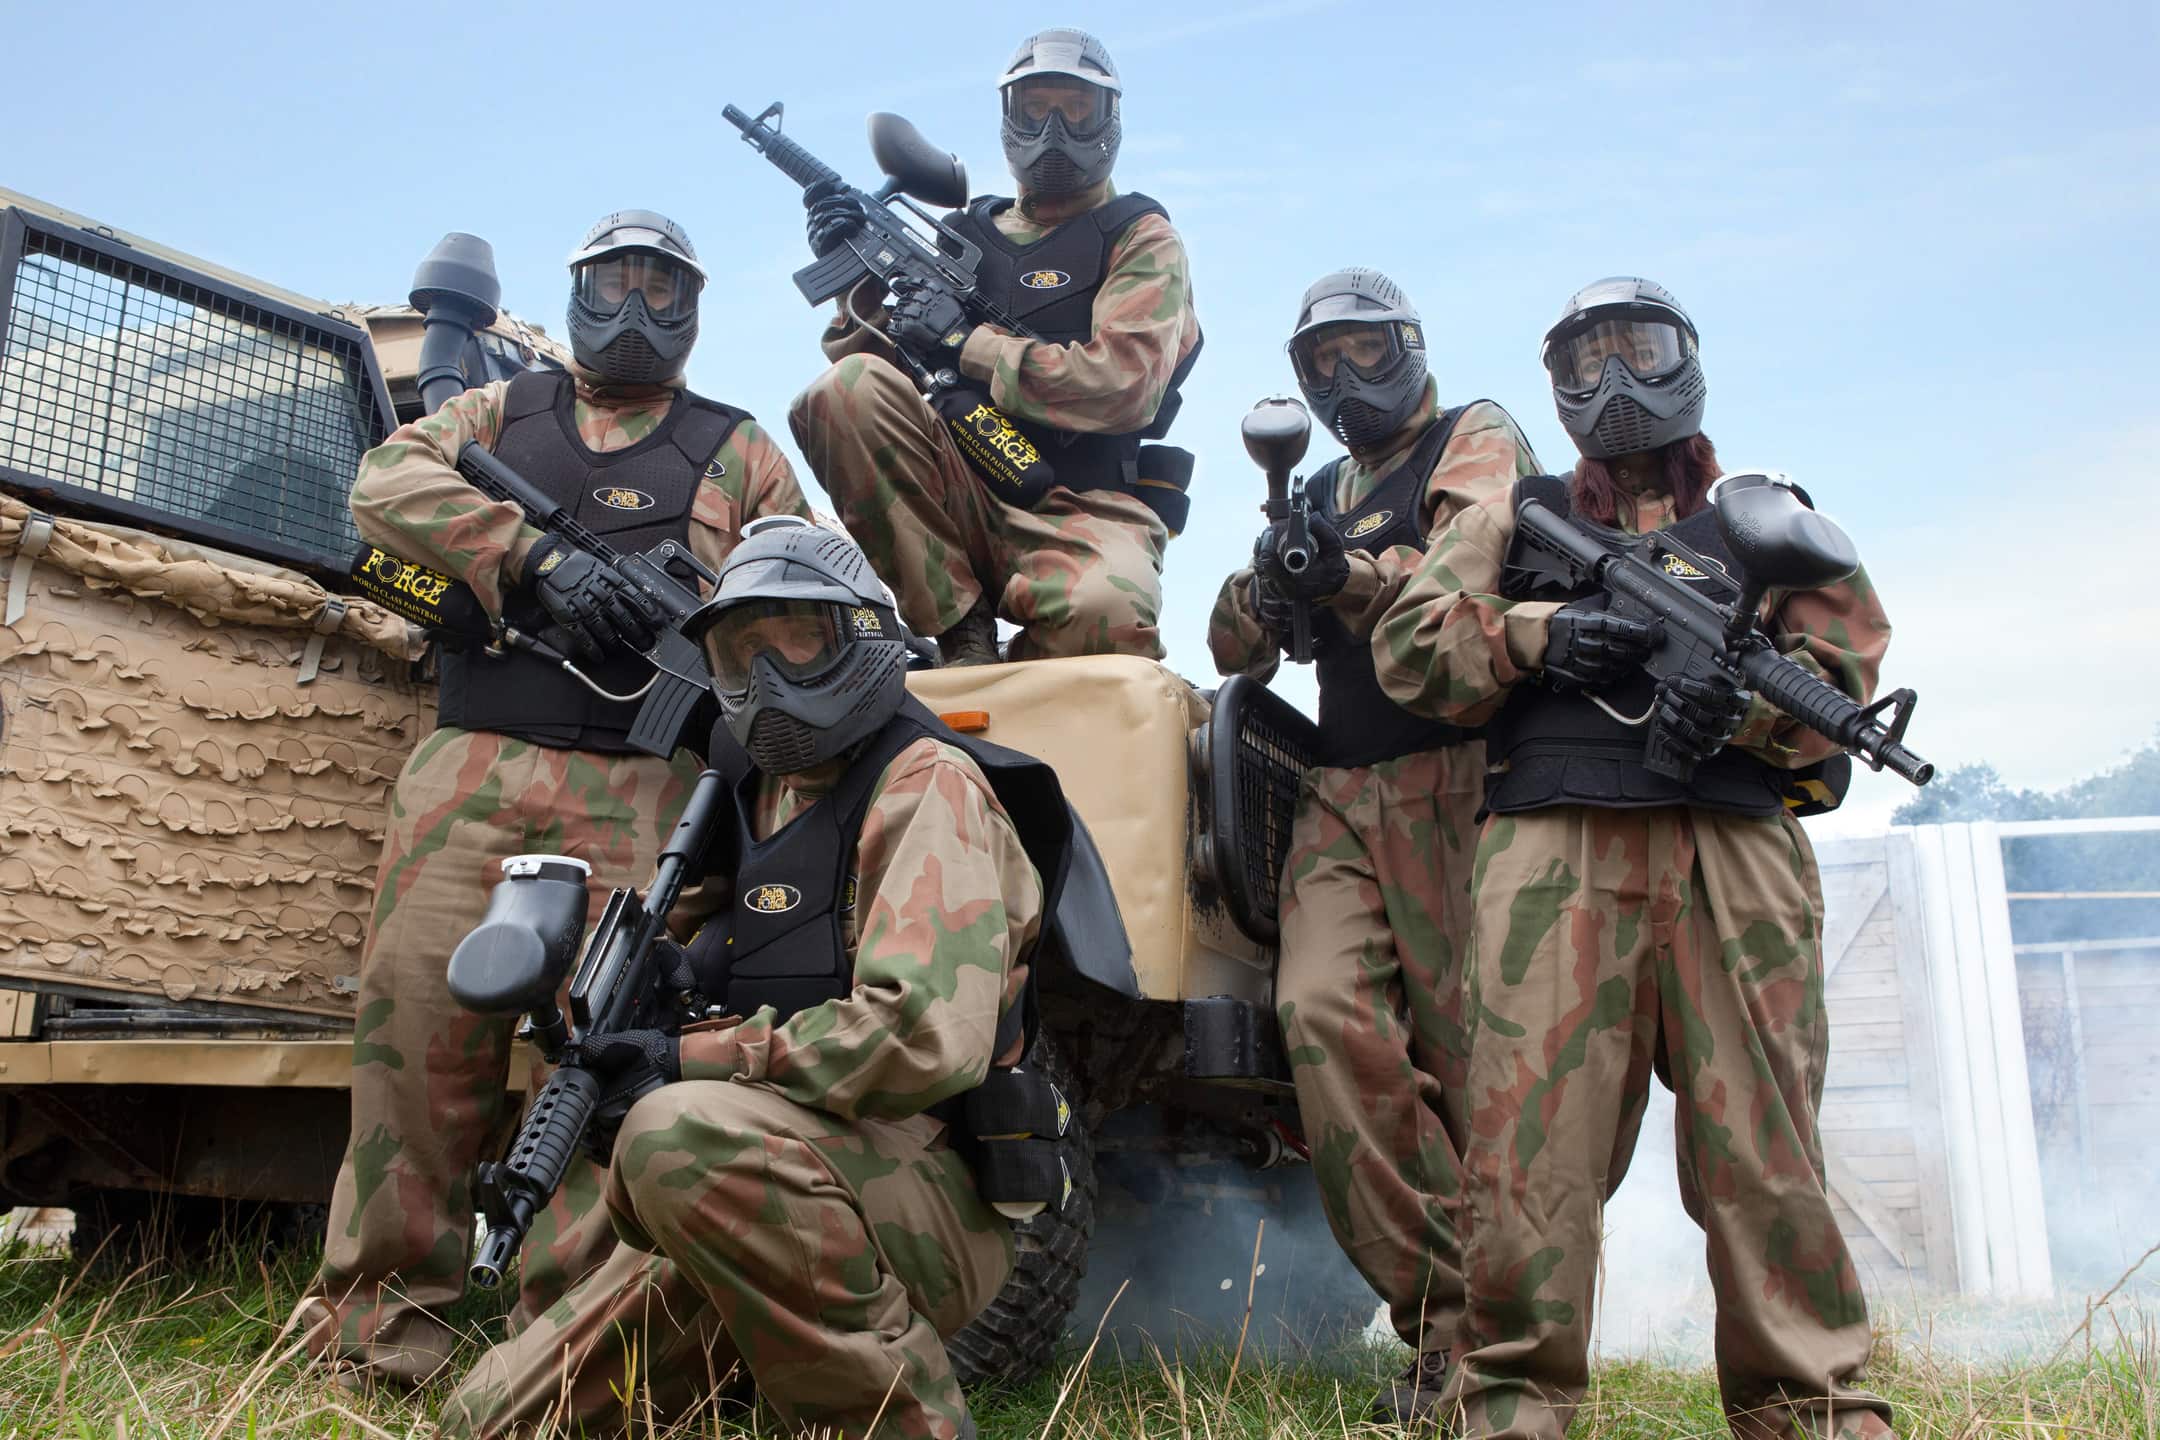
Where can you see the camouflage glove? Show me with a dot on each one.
(601, 612)
(835, 216)
(1593, 650)
(928, 324)
(1696, 716)
(1320, 580)
(629, 1064)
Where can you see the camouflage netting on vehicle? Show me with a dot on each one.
(186, 812)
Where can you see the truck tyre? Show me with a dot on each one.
(1016, 1334)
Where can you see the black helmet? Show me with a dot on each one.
(1363, 400)
(1060, 137)
(1624, 371)
(810, 660)
(634, 287)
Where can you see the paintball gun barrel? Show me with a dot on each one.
(1699, 636)
(1276, 432)
(632, 977)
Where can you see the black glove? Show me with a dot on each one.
(1592, 649)
(1322, 579)
(1697, 717)
(835, 215)
(629, 1064)
(928, 324)
(597, 609)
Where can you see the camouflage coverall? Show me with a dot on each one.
(1608, 943)
(789, 1205)
(1082, 573)
(428, 1077)
(1375, 910)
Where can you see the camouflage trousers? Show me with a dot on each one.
(828, 1258)
(1608, 945)
(1375, 915)
(428, 1077)
(1080, 575)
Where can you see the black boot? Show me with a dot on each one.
(1412, 1399)
(972, 640)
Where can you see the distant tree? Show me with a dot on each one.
(1976, 792)
(1970, 792)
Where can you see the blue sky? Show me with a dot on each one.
(1918, 239)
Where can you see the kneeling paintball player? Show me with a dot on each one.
(1628, 922)
(1101, 279)
(791, 1183)
(1376, 893)
(525, 758)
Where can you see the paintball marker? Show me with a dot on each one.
(1779, 541)
(632, 978)
(888, 248)
(1276, 433)
(456, 291)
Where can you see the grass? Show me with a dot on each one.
(165, 1351)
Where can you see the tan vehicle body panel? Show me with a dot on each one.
(184, 818)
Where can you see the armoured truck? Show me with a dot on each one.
(200, 726)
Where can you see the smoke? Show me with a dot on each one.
(1177, 1233)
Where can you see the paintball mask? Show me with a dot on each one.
(634, 287)
(810, 656)
(1061, 127)
(1624, 371)
(1359, 354)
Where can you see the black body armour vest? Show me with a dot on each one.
(1050, 287)
(1554, 747)
(782, 943)
(1359, 724)
(633, 499)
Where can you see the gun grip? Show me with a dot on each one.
(1300, 633)
(1659, 757)
(830, 275)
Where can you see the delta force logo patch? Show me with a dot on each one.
(622, 497)
(1046, 279)
(1680, 569)
(1369, 524)
(775, 899)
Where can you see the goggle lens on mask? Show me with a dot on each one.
(1030, 103)
(670, 290)
(799, 637)
(1321, 355)
(1652, 349)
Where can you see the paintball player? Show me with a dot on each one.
(525, 758)
(1102, 277)
(1376, 892)
(789, 1199)
(1626, 923)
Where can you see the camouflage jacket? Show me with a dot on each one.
(1112, 384)
(1484, 457)
(948, 908)
(410, 499)
(1451, 648)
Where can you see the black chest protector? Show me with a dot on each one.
(783, 942)
(632, 498)
(1359, 724)
(1050, 287)
(1554, 747)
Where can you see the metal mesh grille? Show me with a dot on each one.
(1270, 763)
(207, 412)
